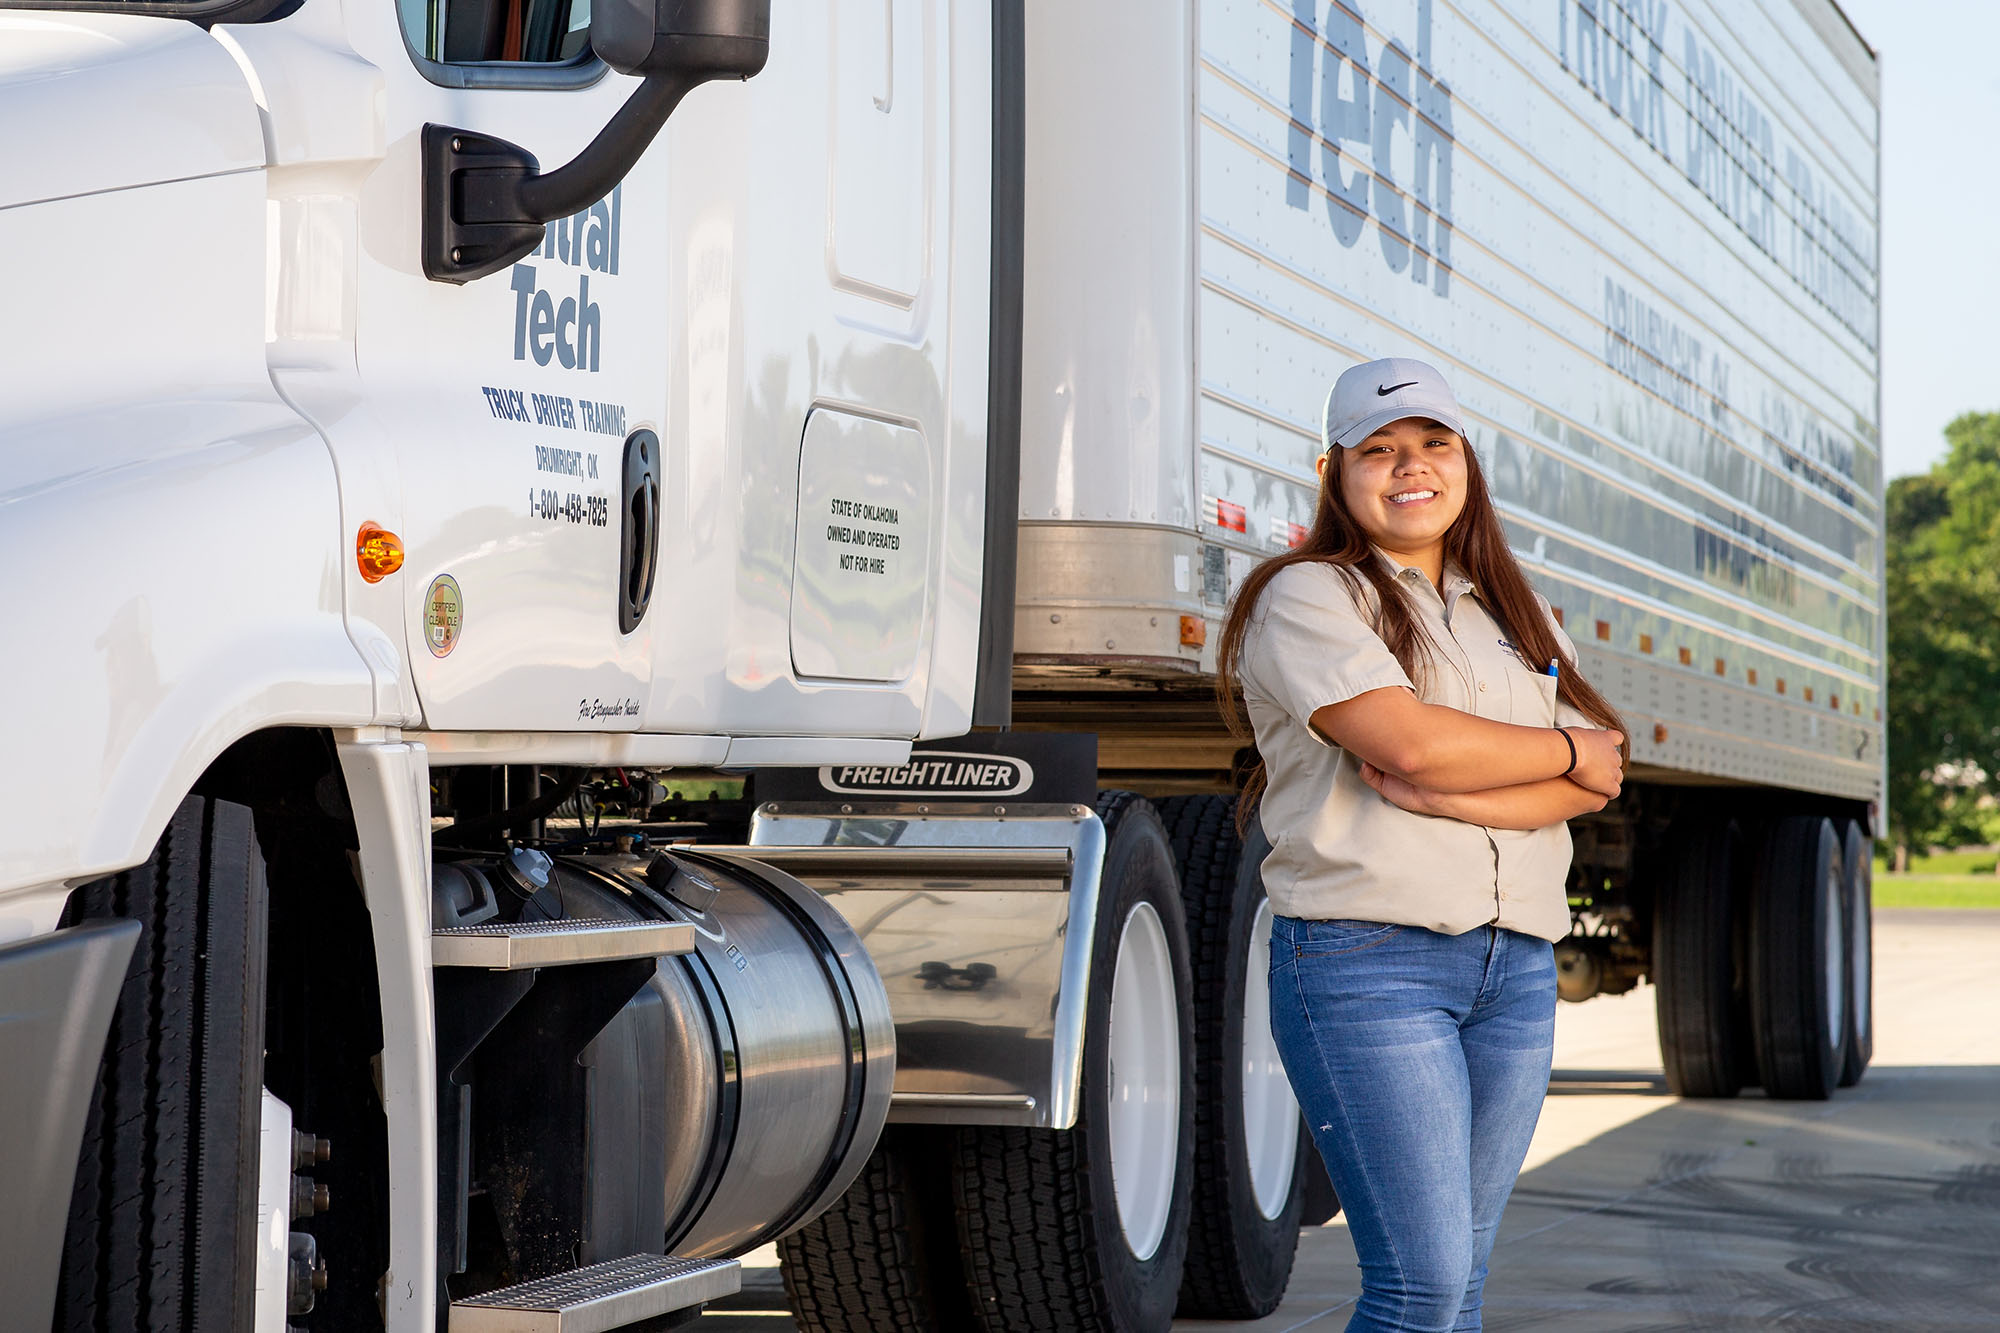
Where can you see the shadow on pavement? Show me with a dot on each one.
(1623, 1082)
(1877, 1210)
(1640, 1213)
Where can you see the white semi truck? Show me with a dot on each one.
(425, 434)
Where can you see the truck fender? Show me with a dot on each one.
(56, 993)
(176, 588)
(981, 924)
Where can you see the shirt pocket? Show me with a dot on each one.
(1532, 695)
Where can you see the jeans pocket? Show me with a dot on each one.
(1321, 939)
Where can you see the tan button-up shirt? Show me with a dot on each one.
(1339, 850)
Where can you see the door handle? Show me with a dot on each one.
(639, 535)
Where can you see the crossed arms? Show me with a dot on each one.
(1435, 760)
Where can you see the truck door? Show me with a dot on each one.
(827, 448)
(522, 408)
(811, 254)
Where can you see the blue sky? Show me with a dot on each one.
(1940, 209)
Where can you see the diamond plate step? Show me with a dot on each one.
(600, 1297)
(506, 947)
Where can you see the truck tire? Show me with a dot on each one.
(1243, 1228)
(1858, 859)
(1694, 959)
(1085, 1229)
(1319, 1203)
(163, 1217)
(1798, 959)
(885, 1255)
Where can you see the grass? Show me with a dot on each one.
(705, 789)
(1961, 878)
(1974, 861)
(1932, 890)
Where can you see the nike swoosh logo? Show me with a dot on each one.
(1381, 392)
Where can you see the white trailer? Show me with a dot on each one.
(1640, 238)
(392, 508)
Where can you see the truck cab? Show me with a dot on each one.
(398, 513)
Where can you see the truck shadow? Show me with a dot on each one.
(1879, 1209)
(1602, 1082)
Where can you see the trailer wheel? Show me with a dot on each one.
(1086, 1228)
(1798, 959)
(1858, 859)
(1243, 1228)
(163, 1217)
(1694, 966)
(885, 1255)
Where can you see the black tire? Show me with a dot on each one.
(1797, 958)
(1694, 964)
(885, 1255)
(163, 1218)
(1858, 858)
(1239, 1261)
(1319, 1202)
(1038, 1220)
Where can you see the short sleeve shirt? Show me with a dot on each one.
(1338, 848)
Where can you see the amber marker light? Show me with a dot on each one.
(378, 552)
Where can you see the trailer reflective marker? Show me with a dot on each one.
(1226, 514)
(1286, 534)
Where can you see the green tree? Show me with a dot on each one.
(1943, 593)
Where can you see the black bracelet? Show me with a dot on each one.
(1572, 752)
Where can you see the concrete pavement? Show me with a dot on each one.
(1640, 1213)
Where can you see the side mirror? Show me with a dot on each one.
(486, 201)
(728, 38)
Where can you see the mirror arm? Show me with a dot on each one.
(589, 176)
(485, 201)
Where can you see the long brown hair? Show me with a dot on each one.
(1475, 542)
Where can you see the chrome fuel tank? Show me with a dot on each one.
(742, 1090)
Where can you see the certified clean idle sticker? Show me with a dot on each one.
(444, 612)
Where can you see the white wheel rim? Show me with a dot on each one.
(1270, 1112)
(1859, 928)
(274, 1222)
(1145, 1080)
(1835, 979)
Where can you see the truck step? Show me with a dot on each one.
(505, 947)
(599, 1297)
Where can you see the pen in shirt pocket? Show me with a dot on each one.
(1553, 668)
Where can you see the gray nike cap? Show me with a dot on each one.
(1369, 396)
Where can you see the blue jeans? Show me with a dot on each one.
(1421, 1061)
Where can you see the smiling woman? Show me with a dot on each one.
(1425, 733)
